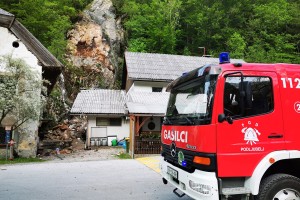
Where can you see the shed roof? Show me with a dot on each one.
(51, 66)
(164, 67)
(100, 101)
(155, 103)
(3, 12)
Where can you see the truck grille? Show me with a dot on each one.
(188, 157)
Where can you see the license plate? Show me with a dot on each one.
(172, 172)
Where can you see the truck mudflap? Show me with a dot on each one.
(198, 185)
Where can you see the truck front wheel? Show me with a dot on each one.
(279, 187)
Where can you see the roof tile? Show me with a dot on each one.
(140, 102)
(99, 101)
(163, 67)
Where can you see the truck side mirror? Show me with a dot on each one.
(222, 118)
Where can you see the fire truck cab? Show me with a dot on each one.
(231, 130)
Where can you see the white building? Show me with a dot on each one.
(18, 42)
(106, 115)
(145, 78)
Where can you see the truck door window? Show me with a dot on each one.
(257, 98)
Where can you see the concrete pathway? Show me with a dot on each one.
(126, 179)
(152, 162)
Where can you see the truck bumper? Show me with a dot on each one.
(198, 185)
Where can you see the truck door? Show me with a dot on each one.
(256, 118)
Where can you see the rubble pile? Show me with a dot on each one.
(66, 138)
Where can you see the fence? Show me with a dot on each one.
(147, 146)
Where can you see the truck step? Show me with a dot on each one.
(235, 191)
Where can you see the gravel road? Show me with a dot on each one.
(96, 154)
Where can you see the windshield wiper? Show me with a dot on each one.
(167, 121)
(188, 120)
(202, 121)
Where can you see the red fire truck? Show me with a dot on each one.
(231, 131)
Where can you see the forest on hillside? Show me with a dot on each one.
(255, 30)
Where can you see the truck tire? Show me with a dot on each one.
(279, 187)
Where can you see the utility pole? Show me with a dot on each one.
(203, 51)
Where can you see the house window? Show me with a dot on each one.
(156, 89)
(115, 121)
(102, 121)
(108, 121)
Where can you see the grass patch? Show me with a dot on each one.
(20, 160)
(124, 156)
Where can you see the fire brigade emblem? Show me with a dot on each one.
(180, 158)
(250, 134)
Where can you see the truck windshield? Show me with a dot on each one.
(191, 102)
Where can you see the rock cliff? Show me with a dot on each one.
(94, 48)
(94, 60)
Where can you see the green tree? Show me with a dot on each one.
(47, 20)
(236, 45)
(268, 30)
(20, 97)
(210, 23)
(152, 25)
(256, 30)
(57, 33)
